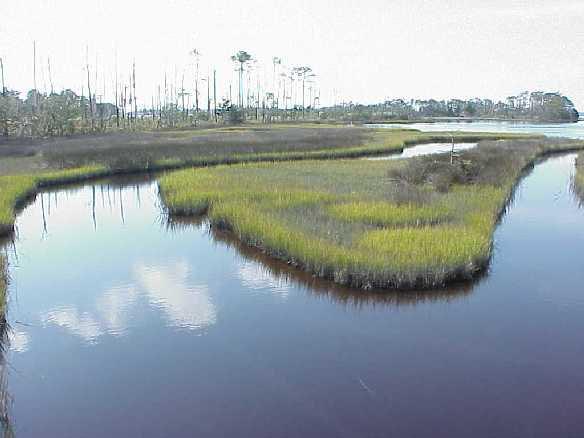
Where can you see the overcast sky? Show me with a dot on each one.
(368, 50)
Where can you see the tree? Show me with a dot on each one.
(302, 72)
(242, 58)
(197, 55)
(275, 61)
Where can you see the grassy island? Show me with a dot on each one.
(403, 224)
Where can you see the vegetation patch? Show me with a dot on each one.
(416, 223)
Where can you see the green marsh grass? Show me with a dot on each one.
(352, 222)
(387, 214)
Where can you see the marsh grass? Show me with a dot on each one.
(350, 221)
(386, 214)
(179, 148)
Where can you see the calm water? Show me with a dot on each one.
(425, 149)
(124, 325)
(571, 130)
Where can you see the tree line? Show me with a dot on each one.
(528, 106)
(291, 93)
(267, 92)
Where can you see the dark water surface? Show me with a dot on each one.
(126, 326)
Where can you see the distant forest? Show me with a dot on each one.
(528, 106)
(41, 114)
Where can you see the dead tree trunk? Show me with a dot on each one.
(134, 87)
(89, 93)
(215, 94)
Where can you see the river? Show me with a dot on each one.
(126, 324)
(570, 130)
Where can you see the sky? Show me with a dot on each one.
(365, 51)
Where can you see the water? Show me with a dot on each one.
(570, 130)
(126, 325)
(425, 149)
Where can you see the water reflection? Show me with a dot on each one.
(257, 278)
(425, 149)
(142, 306)
(168, 287)
(114, 305)
(6, 426)
(261, 273)
(577, 191)
(278, 277)
(106, 306)
(81, 324)
(569, 130)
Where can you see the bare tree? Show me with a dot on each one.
(3, 84)
(302, 72)
(89, 86)
(50, 75)
(134, 88)
(116, 93)
(215, 94)
(197, 55)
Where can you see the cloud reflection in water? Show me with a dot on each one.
(165, 288)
